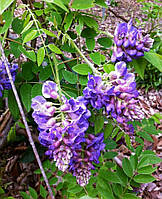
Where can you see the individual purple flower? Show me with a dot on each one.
(43, 112)
(50, 90)
(76, 114)
(129, 43)
(93, 93)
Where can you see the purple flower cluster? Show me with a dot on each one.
(4, 79)
(130, 43)
(63, 130)
(117, 95)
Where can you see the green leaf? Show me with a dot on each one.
(39, 12)
(4, 5)
(82, 69)
(53, 181)
(109, 176)
(108, 68)
(139, 140)
(30, 36)
(130, 196)
(45, 73)
(43, 191)
(12, 104)
(127, 140)
(134, 161)
(139, 65)
(36, 90)
(54, 49)
(96, 57)
(145, 135)
(25, 93)
(11, 134)
(82, 4)
(104, 188)
(89, 33)
(40, 55)
(70, 77)
(139, 150)
(90, 22)
(86, 197)
(118, 137)
(117, 189)
(14, 48)
(49, 33)
(105, 42)
(74, 188)
(110, 144)
(17, 25)
(33, 193)
(110, 155)
(147, 170)
(27, 27)
(29, 54)
(83, 80)
(90, 43)
(144, 178)
(148, 160)
(101, 3)
(127, 167)
(108, 130)
(27, 71)
(155, 59)
(7, 17)
(1, 191)
(68, 21)
(99, 123)
(24, 195)
(58, 3)
(122, 176)
(115, 132)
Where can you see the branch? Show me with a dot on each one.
(118, 16)
(4, 133)
(25, 122)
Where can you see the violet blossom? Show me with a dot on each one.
(4, 79)
(129, 43)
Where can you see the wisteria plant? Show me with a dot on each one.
(82, 102)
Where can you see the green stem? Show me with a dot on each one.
(95, 71)
(106, 33)
(58, 81)
(40, 34)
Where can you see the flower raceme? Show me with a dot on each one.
(63, 123)
(4, 79)
(129, 43)
(63, 130)
(117, 95)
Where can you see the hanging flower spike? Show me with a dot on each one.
(129, 43)
(4, 79)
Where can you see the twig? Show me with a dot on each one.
(118, 161)
(70, 4)
(5, 121)
(95, 71)
(5, 133)
(118, 16)
(65, 62)
(25, 122)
